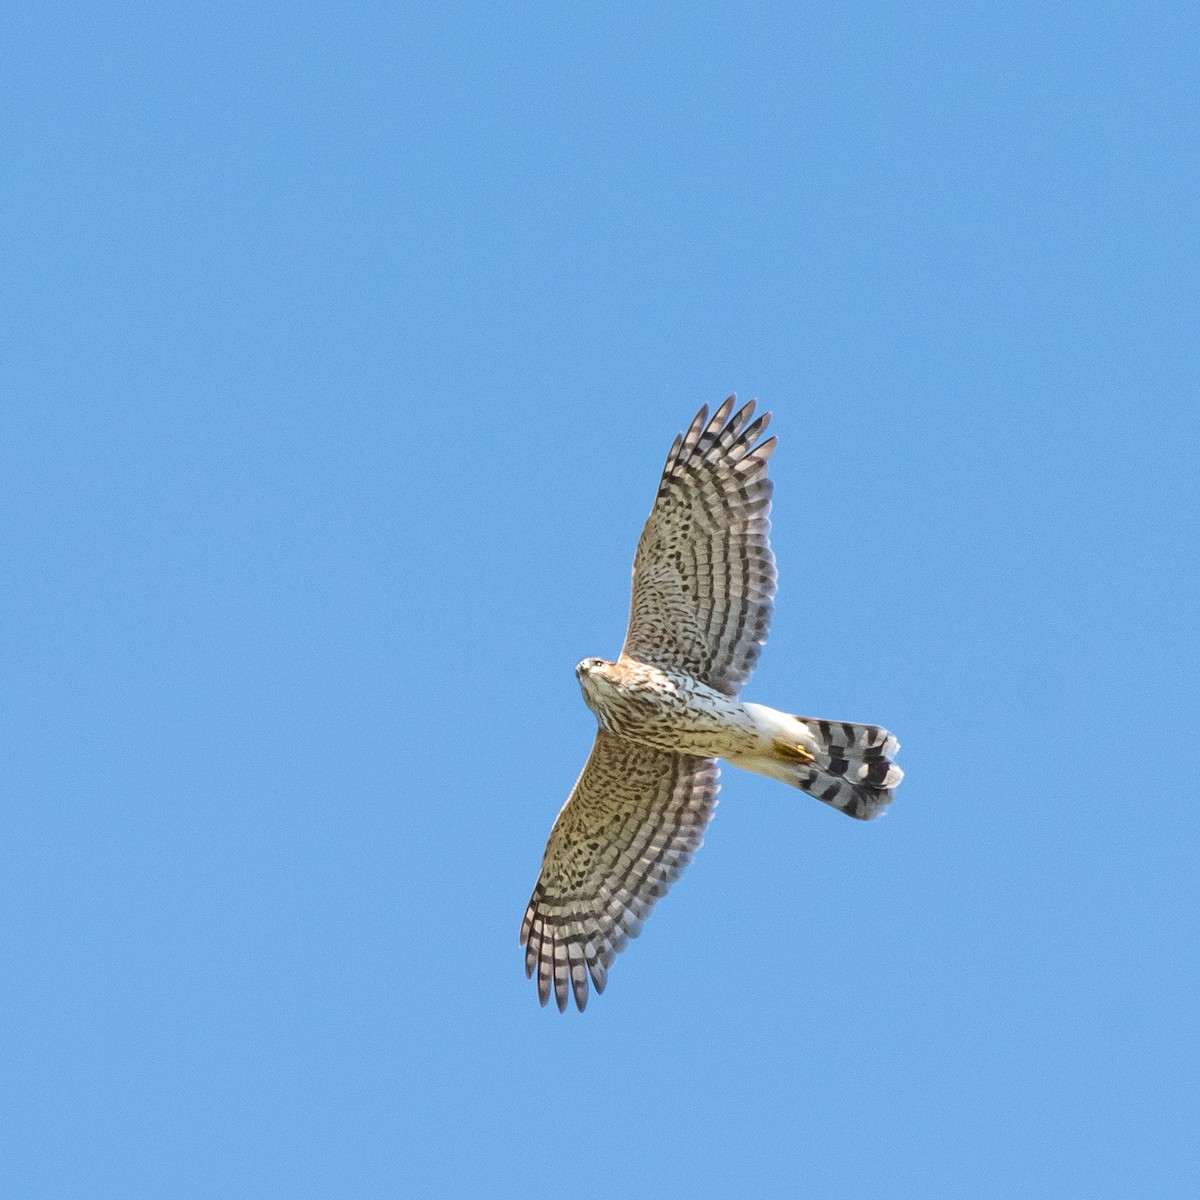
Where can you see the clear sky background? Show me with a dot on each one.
(342, 347)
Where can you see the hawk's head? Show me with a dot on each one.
(595, 682)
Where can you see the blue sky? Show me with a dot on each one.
(343, 346)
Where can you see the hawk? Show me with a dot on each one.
(667, 709)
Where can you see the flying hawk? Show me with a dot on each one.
(703, 587)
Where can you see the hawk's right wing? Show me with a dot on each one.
(632, 823)
(704, 574)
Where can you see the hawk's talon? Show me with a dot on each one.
(791, 752)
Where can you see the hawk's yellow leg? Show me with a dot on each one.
(790, 752)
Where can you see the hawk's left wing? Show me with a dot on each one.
(704, 574)
(632, 823)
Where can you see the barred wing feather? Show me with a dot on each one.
(633, 821)
(704, 575)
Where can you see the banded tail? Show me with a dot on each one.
(846, 766)
(852, 770)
